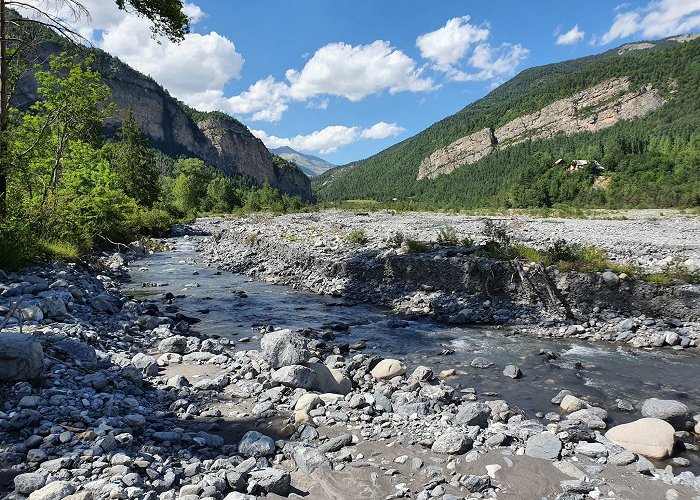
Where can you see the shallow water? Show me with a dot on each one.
(603, 372)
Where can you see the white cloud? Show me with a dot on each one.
(446, 46)
(354, 72)
(571, 37)
(330, 138)
(195, 70)
(490, 62)
(657, 19)
(382, 130)
(336, 69)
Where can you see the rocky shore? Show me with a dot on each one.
(312, 251)
(105, 396)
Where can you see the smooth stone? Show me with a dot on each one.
(651, 437)
(388, 368)
(545, 445)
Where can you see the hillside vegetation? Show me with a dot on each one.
(653, 161)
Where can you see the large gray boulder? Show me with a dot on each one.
(271, 480)
(55, 490)
(284, 348)
(21, 358)
(308, 459)
(474, 414)
(545, 445)
(452, 442)
(254, 444)
(672, 411)
(28, 483)
(296, 376)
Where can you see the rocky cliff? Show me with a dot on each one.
(592, 109)
(221, 141)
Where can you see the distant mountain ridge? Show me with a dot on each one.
(309, 164)
(634, 109)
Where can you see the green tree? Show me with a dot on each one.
(190, 187)
(167, 17)
(135, 163)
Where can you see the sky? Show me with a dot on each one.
(345, 80)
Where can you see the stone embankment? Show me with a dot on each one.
(312, 251)
(104, 396)
(590, 110)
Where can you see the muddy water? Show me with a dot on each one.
(235, 306)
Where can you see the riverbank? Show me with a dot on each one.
(313, 252)
(134, 401)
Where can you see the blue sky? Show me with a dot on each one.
(344, 80)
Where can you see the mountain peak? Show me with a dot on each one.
(309, 164)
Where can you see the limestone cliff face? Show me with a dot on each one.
(592, 109)
(226, 144)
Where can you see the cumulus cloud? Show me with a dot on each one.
(571, 37)
(208, 60)
(449, 47)
(657, 19)
(330, 138)
(382, 130)
(336, 69)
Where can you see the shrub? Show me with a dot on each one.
(357, 236)
(396, 239)
(531, 254)
(561, 250)
(468, 242)
(252, 239)
(447, 237)
(413, 246)
(497, 232)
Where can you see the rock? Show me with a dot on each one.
(474, 414)
(330, 380)
(560, 397)
(296, 376)
(336, 443)
(545, 445)
(307, 402)
(239, 496)
(512, 371)
(78, 352)
(271, 480)
(388, 368)
(254, 444)
(571, 404)
(29, 482)
(492, 469)
(475, 484)
(592, 450)
(482, 363)
(610, 278)
(176, 344)
(21, 358)
(622, 458)
(422, 374)
(55, 490)
(308, 459)
(452, 442)
(284, 348)
(651, 437)
(672, 411)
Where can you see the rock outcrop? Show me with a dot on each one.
(590, 110)
(219, 140)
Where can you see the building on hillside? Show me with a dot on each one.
(577, 165)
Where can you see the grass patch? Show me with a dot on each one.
(530, 254)
(58, 250)
(447, 237)
(357, 237)
(414, 246)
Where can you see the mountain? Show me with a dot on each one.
(631, 116)
(310, 165)
(172, 127)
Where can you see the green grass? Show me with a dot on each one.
(413, 246)
(59, 250)
(357, 236)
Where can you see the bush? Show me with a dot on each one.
(468, 242)
(18, 244)
(531, 254)
(447, 237)
(496, 232)
(357, 236)
(561, 250)
(413, 246)
(396, 239)
(154, 222)
(251, 239)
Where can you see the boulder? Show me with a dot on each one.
(28, 483)
(388, 368)
(55, 490)
(295, 376)
(672, 411)
(474, 414)
(452, 442)
(422, 374)
(571, 404)
(481, 363)
(651, 437)
(330, 380)
(271, 480)
(512, 371)
(21, 358)
(254, 444)
(308, 459)
(176, 344)
(284, 348)
(307, 402)
(545, 445)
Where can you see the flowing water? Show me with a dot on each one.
(234, 306)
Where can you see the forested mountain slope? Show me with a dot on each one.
(649, 158)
